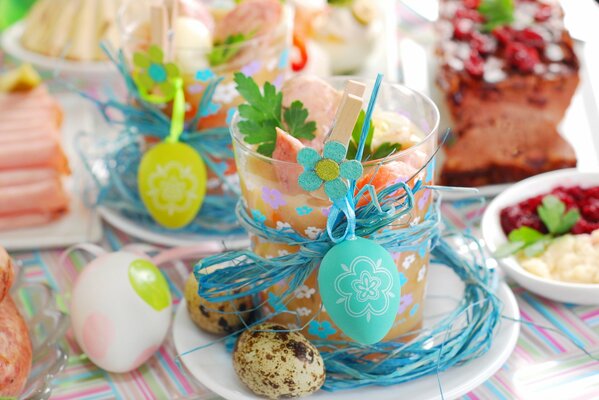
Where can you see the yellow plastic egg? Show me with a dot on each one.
(172, 183)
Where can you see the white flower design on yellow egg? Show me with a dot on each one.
(173, 187)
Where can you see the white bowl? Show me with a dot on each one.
(577, 293)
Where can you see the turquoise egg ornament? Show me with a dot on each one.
(360, 289)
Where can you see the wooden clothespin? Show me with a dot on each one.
(348, 112)
(159, 27)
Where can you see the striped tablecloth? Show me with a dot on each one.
(545, 365)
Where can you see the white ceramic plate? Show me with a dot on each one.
(213, 366)
(79, 224)
(11, 43)
(132, 228)
(578, 293)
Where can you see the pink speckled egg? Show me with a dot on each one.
(120, 310)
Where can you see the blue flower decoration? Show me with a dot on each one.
(330, 170)
(322, 330)
(211, 109)
(414, 309)
(204, 75)
(258, 216)
(276, 303)
(304, 210)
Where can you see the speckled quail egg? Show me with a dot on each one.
(278, 364)
(216, 318)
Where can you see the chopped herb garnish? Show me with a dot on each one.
(226, 50)
(264, 112)
(496, 13)
(558, 221)
(380, 152)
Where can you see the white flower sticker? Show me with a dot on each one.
(283, 253)
(225, 93)
(303, 311)
(173, 187)
(408, 261)
(421, 273)
(312, 232)
(304, 292)
(415, 221)
(283, 225)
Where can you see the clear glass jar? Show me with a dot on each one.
(270, 190)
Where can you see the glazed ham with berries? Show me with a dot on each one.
(15, 347)
(505, 60)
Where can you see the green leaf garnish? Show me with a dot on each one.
(380, 152)
(295, 118)
(264, 112)
(531, 242)
(553, 214)
(496, 13)
(224, 51)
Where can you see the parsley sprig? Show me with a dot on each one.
(496, 13)
(264, 112)
(531, 242)
(382, 151)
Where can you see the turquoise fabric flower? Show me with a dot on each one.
(331, 170)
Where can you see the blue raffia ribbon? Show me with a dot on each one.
(117, 182)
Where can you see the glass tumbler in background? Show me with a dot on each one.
(271, 193)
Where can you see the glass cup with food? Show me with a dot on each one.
(399, 149)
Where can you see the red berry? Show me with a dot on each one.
(482, 43)
(462, 29)
(475, 65)
(543, 13)
(577, 193)
(471, 3)
(514, 217)
(530, 38)
(465, 13)
(504, 34)
(563, 194)
(522, 57)
(584, 226)
(589, 209)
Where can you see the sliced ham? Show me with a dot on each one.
(8, 126)
(28, 136)
(319, 98)
(26, 220)
(252, 17)
(286, 150)
(44, 153)
(42, 196)
(25, 176)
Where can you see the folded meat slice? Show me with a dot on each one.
(46, 196)
(252, 17)
(28, 136)
(25, 176)
(288, 170)
(42, 153)
(319, 98)
(25, 220)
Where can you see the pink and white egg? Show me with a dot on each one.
(120, 310)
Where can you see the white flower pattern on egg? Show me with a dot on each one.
(283, 225)
(415, 221)
(283, 253)
(408, 261)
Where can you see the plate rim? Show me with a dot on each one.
(512, 330)
(124, 224)
(12, 45)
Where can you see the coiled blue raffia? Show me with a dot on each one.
(114, 168)
(462, 335)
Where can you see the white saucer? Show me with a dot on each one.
(213, 366)
(132, 228)
(11, 43)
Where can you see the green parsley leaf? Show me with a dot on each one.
(525, 235)
(537, 247)
(226, 50)
(385, 150)
(264, 112)
(295, 118)
(553, 214)
(497, 13)
(509, 248)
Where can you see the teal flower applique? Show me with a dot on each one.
(331, 170)
(153, 74)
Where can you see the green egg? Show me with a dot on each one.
(149, 284)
